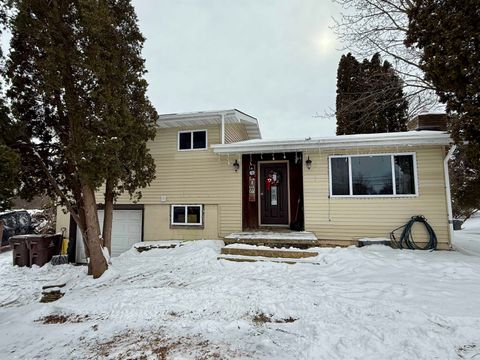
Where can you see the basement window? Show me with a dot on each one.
(192, 140)
(386, 175)
(187, 215)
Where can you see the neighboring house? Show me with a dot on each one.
(216, 176)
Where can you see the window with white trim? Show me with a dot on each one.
(373, 175)
(187, 215)
(192, 140)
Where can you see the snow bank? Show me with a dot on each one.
(357, 303)
(467, 240)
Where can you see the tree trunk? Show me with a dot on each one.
(98, 263)
(81, 225)
(108, 216)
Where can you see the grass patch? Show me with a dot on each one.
(143, 346)
(62, 319)
(261, 318)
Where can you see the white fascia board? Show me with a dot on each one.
(210, 118)
(330, 143)
(183, 119)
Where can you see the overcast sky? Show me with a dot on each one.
(273, 59)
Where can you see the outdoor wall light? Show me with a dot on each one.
(308, 162)
(236, 165)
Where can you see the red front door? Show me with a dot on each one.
(274, 193)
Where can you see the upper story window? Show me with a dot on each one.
(373, 175)
(192, 140)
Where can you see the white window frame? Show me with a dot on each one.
(392, 161)
(191, 140)
(186, 223)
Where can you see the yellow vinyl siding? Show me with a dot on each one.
(157, 225)
(190, 177)
(62, 220)
(235, 132)
(347, 219)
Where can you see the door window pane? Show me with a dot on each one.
(372, 175)
(185, 141)
(274, 196)
(404, 175)
(340, 178)
(199, 139)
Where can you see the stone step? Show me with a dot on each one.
(300, 244)
(237, 258)
(275, 243)
(270, 253)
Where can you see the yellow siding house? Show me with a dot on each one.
(217, 176)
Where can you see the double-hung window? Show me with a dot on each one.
(187, 215)
(192, 140)
(373, 175)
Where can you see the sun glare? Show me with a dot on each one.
(325, 42)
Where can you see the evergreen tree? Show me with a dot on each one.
(9, 158)
(348, 90)
(78, 92)
(447, 33)
(465, 184)
(121, 100)
(370, 97)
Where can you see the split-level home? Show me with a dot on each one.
(216, 178)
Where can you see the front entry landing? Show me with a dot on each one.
(302, 239)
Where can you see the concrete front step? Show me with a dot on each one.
(266, 252)
(275, 239)
(274, 243)
(237, 258)
(273, 235)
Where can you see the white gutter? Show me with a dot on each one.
(448, 194)
(329, 143)
(223, 128)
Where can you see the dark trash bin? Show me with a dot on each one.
(21, 255)
(457, 224)
(32, 249)
(43, 248)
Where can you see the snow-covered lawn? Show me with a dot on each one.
(183, 303)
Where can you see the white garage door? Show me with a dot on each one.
(126, 231)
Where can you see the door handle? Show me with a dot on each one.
(261, 194)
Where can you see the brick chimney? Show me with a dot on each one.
(428, 122)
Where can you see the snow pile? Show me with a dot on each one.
(183, 303)
(467, 240)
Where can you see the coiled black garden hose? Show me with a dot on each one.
(406, 240)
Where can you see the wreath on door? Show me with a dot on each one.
(273, 179)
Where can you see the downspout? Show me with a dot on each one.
(447, 193)
(223, 128)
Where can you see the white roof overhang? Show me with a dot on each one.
(209, 118)
(410, 138)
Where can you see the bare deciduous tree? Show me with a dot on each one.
(366, 27)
